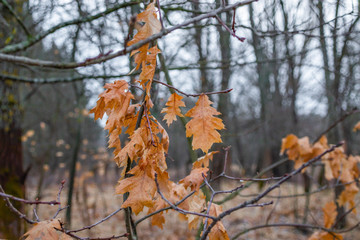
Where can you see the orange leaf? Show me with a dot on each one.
(141, 188)
(195, 178)
(133, 149)
(152, 26)
(115, 101)
(330, 214)
(357, 127)
(43, 230)
(196, 204)
(348, 195)
(204, 160)
(174, 103)
(325, 236)
(288, 142)
(218, 232)
(203, 126)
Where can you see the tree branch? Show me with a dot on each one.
(263, 194)
(31, 41)
(102, 58)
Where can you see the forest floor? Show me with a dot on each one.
(93, 202)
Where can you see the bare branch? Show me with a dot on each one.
(100, 59)
(13, 209)
(11, 10)
(31, 41)
(269, 189)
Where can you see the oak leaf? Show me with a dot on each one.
(204, 125)
(330, 214)
(141, 187)
(288, 142)
(152, 26)
(218, 232)
(195, 178)
(204, 160)
(348, 195)
(44, 230)
(195, 204)
(173, 108)
(115, 101)
(132, 149)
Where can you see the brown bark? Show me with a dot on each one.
(12, 179)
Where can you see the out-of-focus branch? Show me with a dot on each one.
(11, 10)
(103, 58)
(13, 209)
(192, 95)
(31, 41)
(4, 195)
(95, 224)
(342, 118)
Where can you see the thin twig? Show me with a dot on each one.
(180, 210)
(12, 11)
(4, 195)
(97, 223)
(13, 209)
(192, 95)
(342, 118)
(70, 65)
(228, 29)
(269, 189)
(58, 199)
(161, 20)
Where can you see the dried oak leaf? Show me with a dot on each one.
(196, 203)
(348, 196)
(173, 108)
(152, 26)
(330, 214)
(218, 232)
(195, 178)
(43, 230)
(115, 101)
(204, 125)
(141, 187)
(204, 160)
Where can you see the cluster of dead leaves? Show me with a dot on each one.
(148, 141)
(337, 165)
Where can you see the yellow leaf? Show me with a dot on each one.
(44, 230)
(174, 103)
(204, 125)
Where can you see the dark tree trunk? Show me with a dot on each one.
(11, 179)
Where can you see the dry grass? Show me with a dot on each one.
(93, 202)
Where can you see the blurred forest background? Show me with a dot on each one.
(296, 72)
